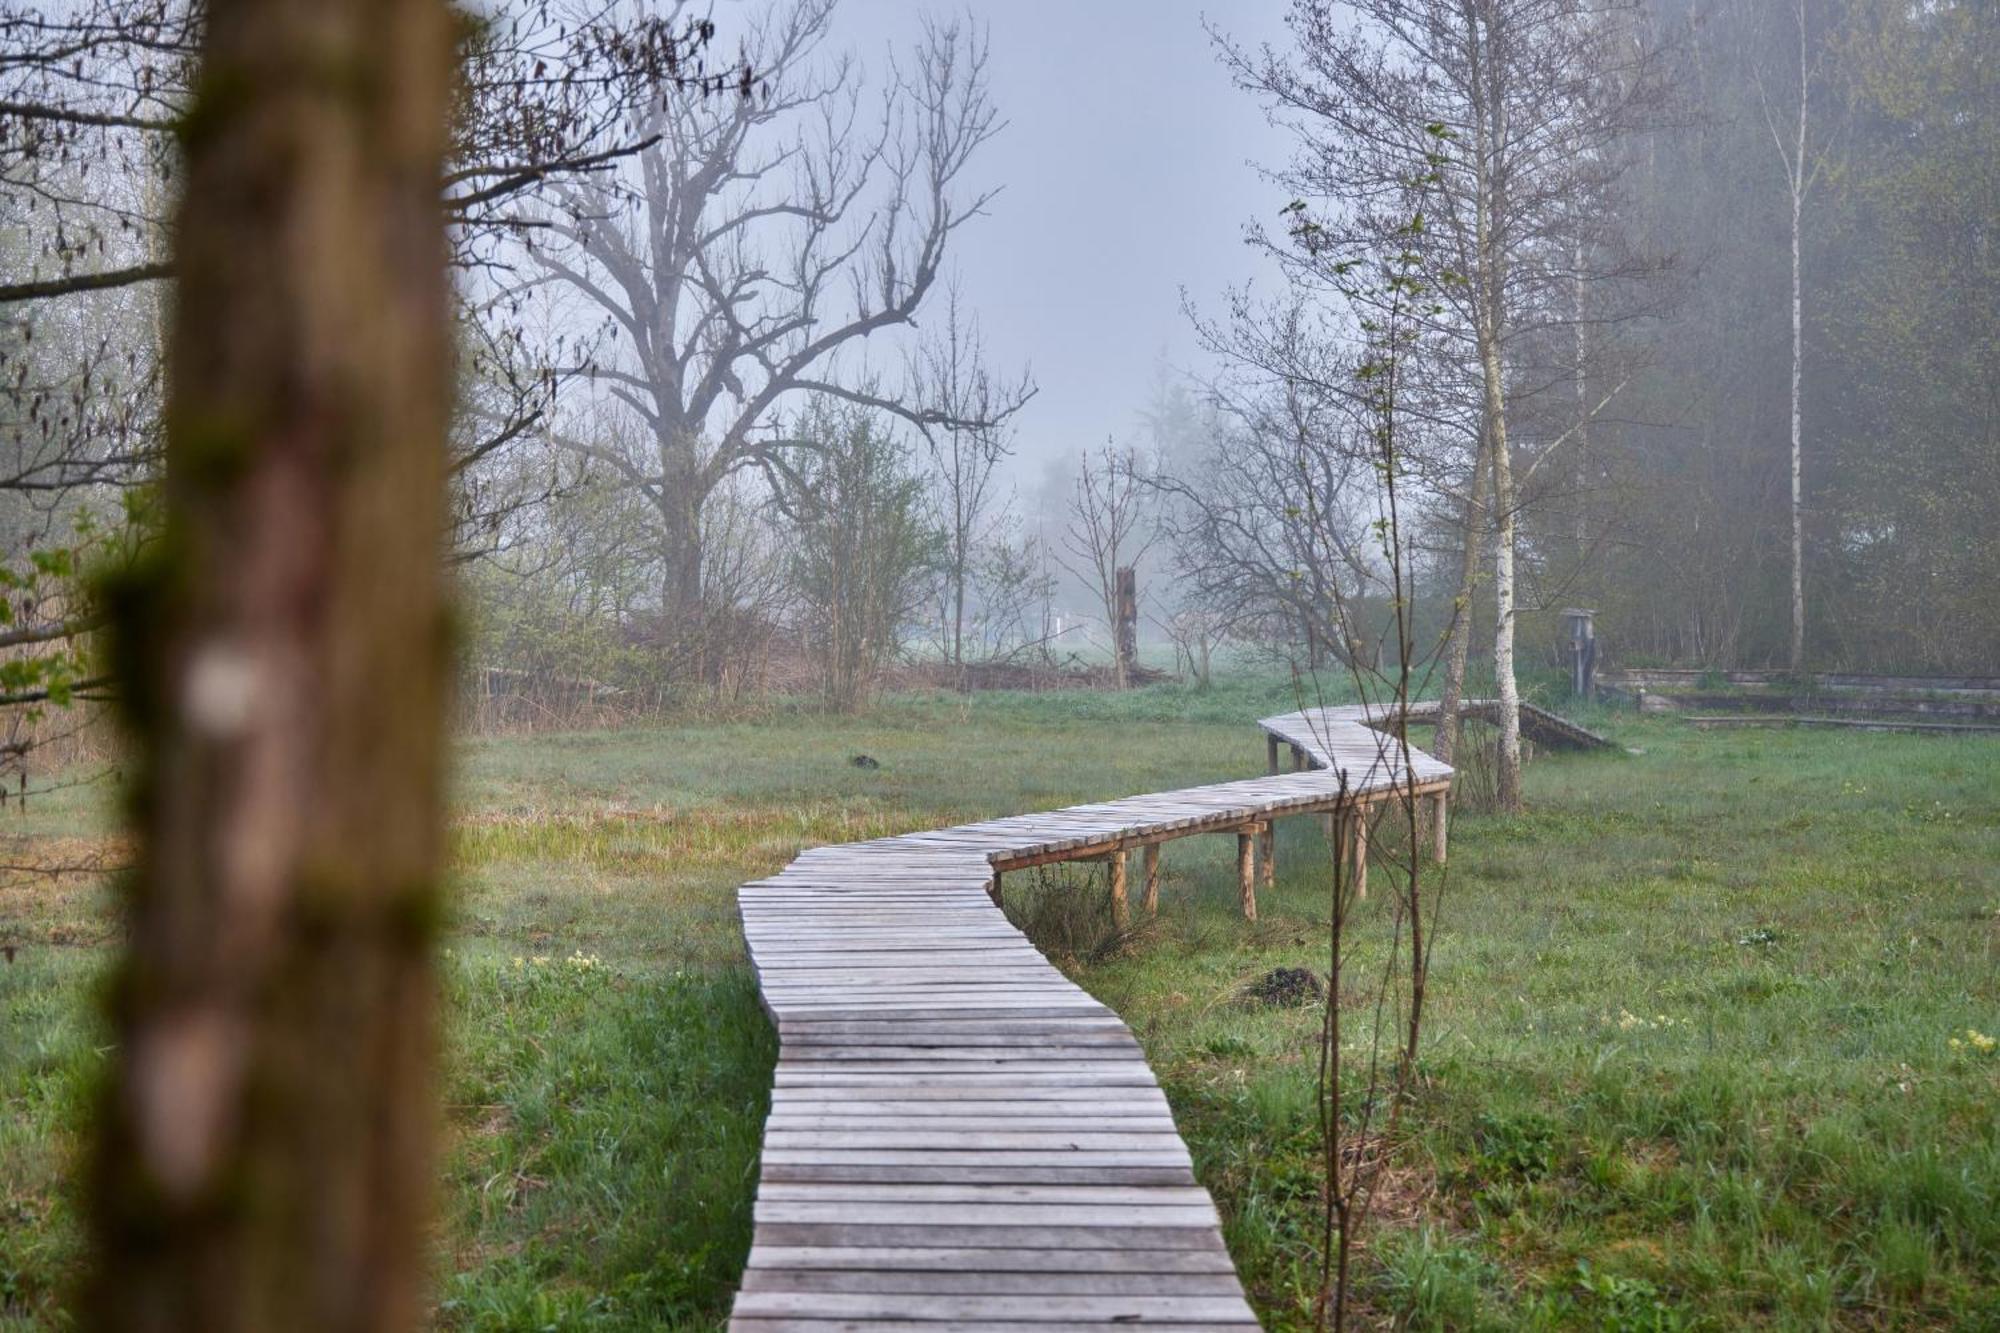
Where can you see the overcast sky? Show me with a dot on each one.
(1126, 176)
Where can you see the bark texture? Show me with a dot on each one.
(265, 1159)
(1486, 32)
(1507, 769)
(1799, 182)
(1458, 645)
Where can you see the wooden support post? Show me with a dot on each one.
(1151, 860)
(1357, 842)
(1118, 912)
(1441, 813)
(994, 890)
(1351, 847)
(1246, 870)
(1269, 852)
(1298, 759)
(1271, 751)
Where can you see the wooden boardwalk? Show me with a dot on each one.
(959, 1135)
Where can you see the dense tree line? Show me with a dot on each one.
(1713, 351)
(1721, 367)
(1899, 286)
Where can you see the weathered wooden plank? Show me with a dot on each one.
(965, 1075)
(809, 1028)
(781, 1139)
(970, 1124)
(809, 1148)
(862, 1212)
(1193, 1239)
(1028, 1026)
(975, 1104)
(1007, 1171)
(979, 1282)
(1036, 1309)
(789, 1323)
(1192, 1195)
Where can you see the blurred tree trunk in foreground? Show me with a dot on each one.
(265, 1149)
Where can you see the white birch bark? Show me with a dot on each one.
(1583, 413)
(1801, 169)
(1507, 776)
(1798, 181)
(1490, 132)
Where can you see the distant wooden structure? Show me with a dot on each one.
(961, 1137)
(1932, 705)
(1125, 628)
(1580, 648)
(1735, 721)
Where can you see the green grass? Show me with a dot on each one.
(1689, 1048)
(1689, 1063)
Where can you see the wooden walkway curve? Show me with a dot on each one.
(960, 1136)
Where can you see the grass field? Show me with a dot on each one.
(1702, 1051)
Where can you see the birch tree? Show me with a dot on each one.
(1533, 98)
(1803, 155)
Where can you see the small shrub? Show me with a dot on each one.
(1518, 1147)
(1627, 1304)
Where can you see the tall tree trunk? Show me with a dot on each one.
(963, 683)
(1582, 501)
(1507, 778)
(1483, 23)
(265, 1152)
(1458, 646)
(1798, 184)
(682, 606)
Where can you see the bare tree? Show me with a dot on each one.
(965, 453)
(1804, 156)
(1270, 526)
(94, 99)
(1356, 1132)
(1110, 530)
(1196, 634)
(91, 96)
(1535, 96)
(1366, 1078)
(1458, 643)
(103, 86)
(265, 1152)
(754, 249)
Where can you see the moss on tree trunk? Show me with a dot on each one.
(265, 1154)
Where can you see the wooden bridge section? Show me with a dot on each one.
(959, 1135)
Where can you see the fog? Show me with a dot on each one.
(1129, 168)
(967, 311)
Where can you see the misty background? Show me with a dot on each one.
(988, 304)
(1080, 268)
